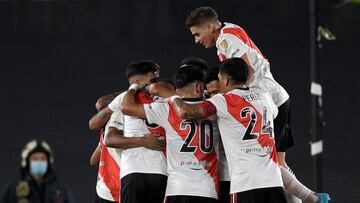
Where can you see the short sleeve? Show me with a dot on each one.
(117, 120)
(157, 112)
(219, 102)
(232, 46)
(116, 103)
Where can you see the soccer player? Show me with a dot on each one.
(143, 165)
(233, 73)
(212, 88)
(107, 159)
(232, 41)
(245, 117)
(191, 144)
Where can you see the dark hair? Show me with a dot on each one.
(195, 61)
(167, 81)
(141, 67)
(187, 75)
(200, 16)
(235, 68)
(212, 75)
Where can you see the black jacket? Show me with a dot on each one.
(27, 191)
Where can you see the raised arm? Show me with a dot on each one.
(193, 111)
(129, 106)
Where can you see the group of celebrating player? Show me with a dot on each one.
(167, 141)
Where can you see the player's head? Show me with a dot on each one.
(200, 63)
(233, 73)
(142, 72)
(166, 83)
(212, 82)
(189, 82)
(204, 25)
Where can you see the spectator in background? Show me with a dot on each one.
(38, 183)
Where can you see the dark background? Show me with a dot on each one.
(57, 58)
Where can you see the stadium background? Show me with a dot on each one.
(57, 58)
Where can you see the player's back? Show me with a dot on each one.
(140, 159)
(245, 119)
(192, 151)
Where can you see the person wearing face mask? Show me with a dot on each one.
(38, 183)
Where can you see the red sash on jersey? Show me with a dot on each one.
(142, 97)
(211, 157)
(234, 104)
(109, 170)
(243, 36)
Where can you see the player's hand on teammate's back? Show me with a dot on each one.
(153, 141)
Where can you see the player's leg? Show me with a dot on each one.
(296, 188)
(283, 135)
(224, 196)
(133, 188)
(155, 187)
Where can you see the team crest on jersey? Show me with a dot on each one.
(224, 44)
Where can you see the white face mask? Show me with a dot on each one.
(38, 167)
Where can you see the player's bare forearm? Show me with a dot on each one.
(105, 100)
(95, 157)
(130, 107)
(100, 118)
(188, 111)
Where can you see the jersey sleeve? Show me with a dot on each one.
(219, 102)
(232, 46)
(271, 104)
(117, 120)
(116, 103)
(156, 112)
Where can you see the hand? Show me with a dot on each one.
(154, 142)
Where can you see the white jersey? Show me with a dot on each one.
(108, 182)
(245, 119)
(140, 159)
(191, 148)
(233, 41)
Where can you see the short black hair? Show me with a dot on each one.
(200, 16)
(141, 67)
(187, 75)
(235, 68)
(167, 81)
(212, 75)
(195, 61)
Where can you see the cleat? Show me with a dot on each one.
(323, 197)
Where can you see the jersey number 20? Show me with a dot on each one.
(206, 129)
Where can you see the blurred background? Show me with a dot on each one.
(58, 57)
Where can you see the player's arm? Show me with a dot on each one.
(100, 118)
(160, 90)
(105, 100)
(116, 139)
(193, 111)
(129, 106)
(95, 157)
(251, 69)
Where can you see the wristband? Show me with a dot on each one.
(134, 87)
